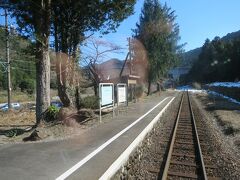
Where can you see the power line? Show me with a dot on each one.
(102, 47)
(23, 61)
(94, 51)
(12, 61)
(23, 69)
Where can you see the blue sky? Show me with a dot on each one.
(198, 20)
(203, 19)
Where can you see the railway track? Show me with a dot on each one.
(185, 159)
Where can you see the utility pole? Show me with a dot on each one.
(8, 61)
(130, 54)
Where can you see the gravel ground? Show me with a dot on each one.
(225, 152)
(147, 160)
(224, 116)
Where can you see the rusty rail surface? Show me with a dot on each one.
(185, 159)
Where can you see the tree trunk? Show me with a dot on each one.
(95, 79)
(61, 81)
(95, 86)
(149, 87)
(43, 81)
(62, 93)
(158, 86)
(61, 72)
(42, 31)
(77, 97)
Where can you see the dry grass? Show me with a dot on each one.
(230, 120)
(17, 96)
(21, 120)
(227, 113)
(17, 118)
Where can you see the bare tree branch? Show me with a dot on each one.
(100, 49)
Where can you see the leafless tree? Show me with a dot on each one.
(68, 76)
(96, 51)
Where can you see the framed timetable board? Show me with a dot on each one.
(121, 93)
(106, 96)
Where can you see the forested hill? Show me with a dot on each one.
(231, 36)
(191, 56)
(22, 62)
(219, 60)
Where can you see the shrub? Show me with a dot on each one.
(51, 114)
(91, 102)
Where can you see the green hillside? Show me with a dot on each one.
(231, 36)
(191, 56)
(219, 60)
(22, 62)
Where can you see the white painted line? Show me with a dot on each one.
(123, 158)
(96, 151)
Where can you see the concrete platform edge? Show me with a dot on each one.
(123, 158)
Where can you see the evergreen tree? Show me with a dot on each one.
(71, 20)
(35, 19)
(22, 61)
(218, 61)
(159, 34)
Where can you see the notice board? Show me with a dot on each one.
(106, 95)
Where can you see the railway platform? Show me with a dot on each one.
(92, 155)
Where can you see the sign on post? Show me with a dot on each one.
(106, 96)
(121, 94)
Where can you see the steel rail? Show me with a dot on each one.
(168, 161)
(203, 169)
